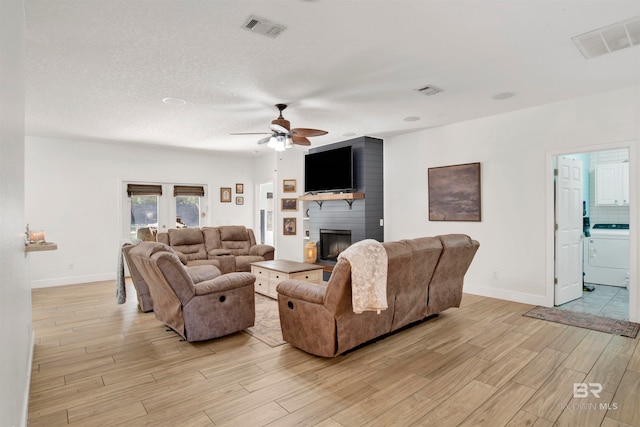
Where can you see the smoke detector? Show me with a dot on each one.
(429, 90)
(262, 26)
(609, 39)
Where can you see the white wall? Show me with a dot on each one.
(74, 192)
(275, 167)
(16, 336)
(290, 165)
(515, 151)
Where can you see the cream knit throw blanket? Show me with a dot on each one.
(368, 260)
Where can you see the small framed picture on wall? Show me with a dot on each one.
(225, 194)
(289, 205)
(288, 185)
(239, 188)
(239, 200)
(289, 226)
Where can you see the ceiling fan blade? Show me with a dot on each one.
(250, 133)
(264, 140)
(277, 128)
(300, 140)
(308, 132)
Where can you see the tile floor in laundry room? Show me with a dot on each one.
(605, 301)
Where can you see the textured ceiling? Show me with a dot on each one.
(98, 70)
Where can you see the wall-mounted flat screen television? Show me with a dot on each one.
(330, 170)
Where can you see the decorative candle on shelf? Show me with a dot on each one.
(310, 252)
(36, 236)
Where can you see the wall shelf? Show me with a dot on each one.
(323, 197)
(37, 247)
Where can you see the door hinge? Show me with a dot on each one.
(555, 227)
(555, 280)
(555, 172)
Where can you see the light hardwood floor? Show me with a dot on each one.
(103, 364)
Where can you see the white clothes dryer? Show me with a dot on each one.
(606, 255)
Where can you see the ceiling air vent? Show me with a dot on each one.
(263, 26)
(429, 90)
(609, 39)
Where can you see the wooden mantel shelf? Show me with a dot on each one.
(322, 197)
(37, 247)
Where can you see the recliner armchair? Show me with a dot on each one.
(198, 302)
(142, 289)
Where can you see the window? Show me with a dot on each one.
(149, 208)
(188, 205)
(144, 214)
(144, 207)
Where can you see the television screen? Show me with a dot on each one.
(330, 170)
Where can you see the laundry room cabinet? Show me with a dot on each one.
(612, 184)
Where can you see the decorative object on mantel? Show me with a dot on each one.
(239, 188)
(225, 194)
(289, 226)
(288, 185)
(310, 252)
(454, 192)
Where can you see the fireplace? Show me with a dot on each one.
(332, 242)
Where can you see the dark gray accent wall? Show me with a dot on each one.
(363, 219)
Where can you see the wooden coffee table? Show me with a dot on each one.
(270, 273)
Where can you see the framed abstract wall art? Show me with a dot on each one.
(454, 193)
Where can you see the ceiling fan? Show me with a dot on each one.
(282, 136)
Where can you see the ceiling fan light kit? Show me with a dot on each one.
(283, 137)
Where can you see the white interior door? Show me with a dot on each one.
(568, 230)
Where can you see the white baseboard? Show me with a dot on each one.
(71, 280)
(508, 295)
(27, 387)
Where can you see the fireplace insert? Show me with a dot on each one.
(332, 242)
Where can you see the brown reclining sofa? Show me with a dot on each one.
(425, 277)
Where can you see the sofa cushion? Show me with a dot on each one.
(234, 232)
(185, 236)
(189, 242)
(235, 238)
(211, 238)
(201, 273)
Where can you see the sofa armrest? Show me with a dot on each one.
(261, 250)
(182, 257)
(219, 252)
(301, 290)
(225, 282)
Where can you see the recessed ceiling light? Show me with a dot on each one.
(503, 95)
(411, 119)
(174, 101)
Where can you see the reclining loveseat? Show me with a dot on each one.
(228, 247)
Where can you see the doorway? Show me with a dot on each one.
(265, 210)
(602, 258)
